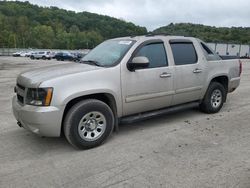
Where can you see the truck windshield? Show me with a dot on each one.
(108, 53)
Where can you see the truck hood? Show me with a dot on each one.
(33, 78)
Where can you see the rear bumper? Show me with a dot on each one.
(233, 84)
(43, 121)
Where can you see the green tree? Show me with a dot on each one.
(23, 30)
(43, 36)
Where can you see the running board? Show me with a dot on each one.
(155, 113)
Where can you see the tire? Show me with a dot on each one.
(214, 98)
(32, 57)
(44, 58)
(88, 124)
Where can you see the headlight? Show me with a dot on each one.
(39, 96)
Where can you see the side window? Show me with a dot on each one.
(156, 54)
(209, 52)
(184, 53)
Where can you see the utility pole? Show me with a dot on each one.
(227, 53)
(239, 50)
(249, 51)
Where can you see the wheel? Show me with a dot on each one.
(88, 124)
(32, 57)
(214, 98)
(44, 58)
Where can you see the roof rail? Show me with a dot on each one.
(150, 34)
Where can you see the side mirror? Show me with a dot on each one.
(138, 62)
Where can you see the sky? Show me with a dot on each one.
(156, 13)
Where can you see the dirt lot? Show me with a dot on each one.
(185, 149)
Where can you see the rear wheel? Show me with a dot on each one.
(88, 124)
(214, 98)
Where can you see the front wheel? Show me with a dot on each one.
(88, 124)
(214, 98)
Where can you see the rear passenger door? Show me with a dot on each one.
(189, 71)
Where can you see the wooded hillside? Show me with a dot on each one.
(24, 25)
(239, 35)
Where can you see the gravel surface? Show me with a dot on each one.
(184, 149)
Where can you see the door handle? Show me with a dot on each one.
(197, 70)
(165, 75)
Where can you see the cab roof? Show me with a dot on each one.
(153, 36)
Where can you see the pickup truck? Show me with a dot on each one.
(122, 80)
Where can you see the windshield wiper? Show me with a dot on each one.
(91, 62)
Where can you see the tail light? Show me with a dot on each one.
(240, 68)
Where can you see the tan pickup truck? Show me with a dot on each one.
(122, 80)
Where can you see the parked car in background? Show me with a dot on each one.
(41, 55)
(16, 54)
(19, 54)
(23, 54)
(61, 56)
(78, 56)
(53, 54)
(28, 54)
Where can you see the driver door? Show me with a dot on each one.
(148, 88)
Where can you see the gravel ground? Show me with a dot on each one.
(184, 149)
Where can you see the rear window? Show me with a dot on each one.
(184, 53)
(206, 48)
(209, 54)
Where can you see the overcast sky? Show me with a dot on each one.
(155, 13)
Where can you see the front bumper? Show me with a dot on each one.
(43, 121)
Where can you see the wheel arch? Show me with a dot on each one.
(107, 98)
(223, 80)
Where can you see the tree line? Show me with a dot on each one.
(24, 25)
(238, 35)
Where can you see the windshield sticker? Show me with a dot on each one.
(125, 42)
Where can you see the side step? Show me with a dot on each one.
(155, 113)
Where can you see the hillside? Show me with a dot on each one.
(25, 25)
(207, 33)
